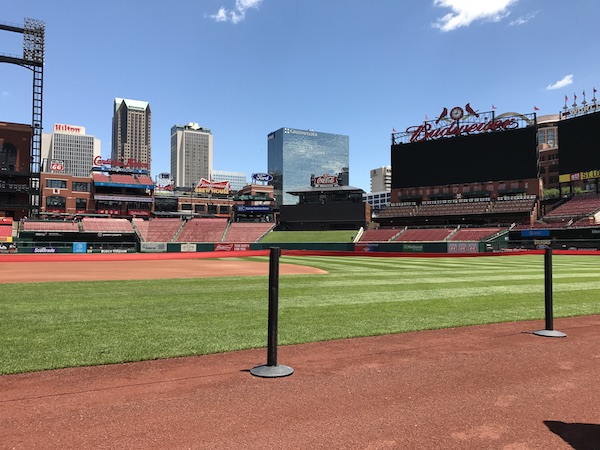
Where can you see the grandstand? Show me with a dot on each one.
(106, 225)
(48, 225)
(424, 235)
(246, 231)
(202, 230)
(380, 234)
(474, 234)
(576, 208)
(157, 230)
(474, 211)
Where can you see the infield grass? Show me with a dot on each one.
(52, 325)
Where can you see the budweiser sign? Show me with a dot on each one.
(459, 121)
(427, 131)
(130, 163)
(326, 180)
(213, 187)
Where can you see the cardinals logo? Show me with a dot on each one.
(456, 113)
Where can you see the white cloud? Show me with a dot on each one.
(523, 19)
(567, 80)
(5, 94)
(238, 13)
(465, 12)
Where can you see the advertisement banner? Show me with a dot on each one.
(412, 247)
(463, 247)
(44, 250)
(188, 248)
(231, 247)
(79, 247)
(153, 247)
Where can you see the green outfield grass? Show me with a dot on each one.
(309, 236)
(51, 325)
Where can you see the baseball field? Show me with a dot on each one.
(346, 324)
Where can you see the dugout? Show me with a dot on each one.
(77, 242)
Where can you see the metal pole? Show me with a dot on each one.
(549, 331)
(548, 288)
(272, 369)
(273, 306)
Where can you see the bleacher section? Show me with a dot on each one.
(145, 180)
(158, 230)
(202, 230)
(100, 178)
(92, 224)
(460, 207)
(246, 231)
(454, 208)
(47, 225)
(122, 179)
(513, 205)
(380, 234)
(578, 207)
(474, 234)
(424, 235)
(5, 231)
(399, 210)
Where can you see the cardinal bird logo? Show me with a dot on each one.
(442, 115)
(470, 110)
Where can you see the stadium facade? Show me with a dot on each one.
(296, 155)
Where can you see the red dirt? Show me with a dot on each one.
(493, 387)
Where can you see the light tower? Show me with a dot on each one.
(33, 59)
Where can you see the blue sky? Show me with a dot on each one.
(244, 68)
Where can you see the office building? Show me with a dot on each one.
(191, 154)
(381, 179)
(69, 150)
(296, 155)
(237, 180)
(131, 133)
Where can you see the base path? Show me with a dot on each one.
(484, 387)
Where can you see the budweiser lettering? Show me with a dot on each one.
(427, 131)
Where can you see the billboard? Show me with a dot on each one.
(579, 150)
(493, 156)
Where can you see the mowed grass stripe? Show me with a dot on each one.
(50, 325)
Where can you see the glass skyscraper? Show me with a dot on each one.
(294, 155)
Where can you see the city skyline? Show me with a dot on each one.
(350, 68)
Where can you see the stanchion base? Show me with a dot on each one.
(271, 371)
(549, 333)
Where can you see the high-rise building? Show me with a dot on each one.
(69, 150)
(296, 155)
(131, 133)
(381, 179)
(237, 180)
(191, 154)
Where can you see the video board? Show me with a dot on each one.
(579, 147)
(493, 156)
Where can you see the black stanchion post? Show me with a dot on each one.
(549, 331)
(272, 369)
